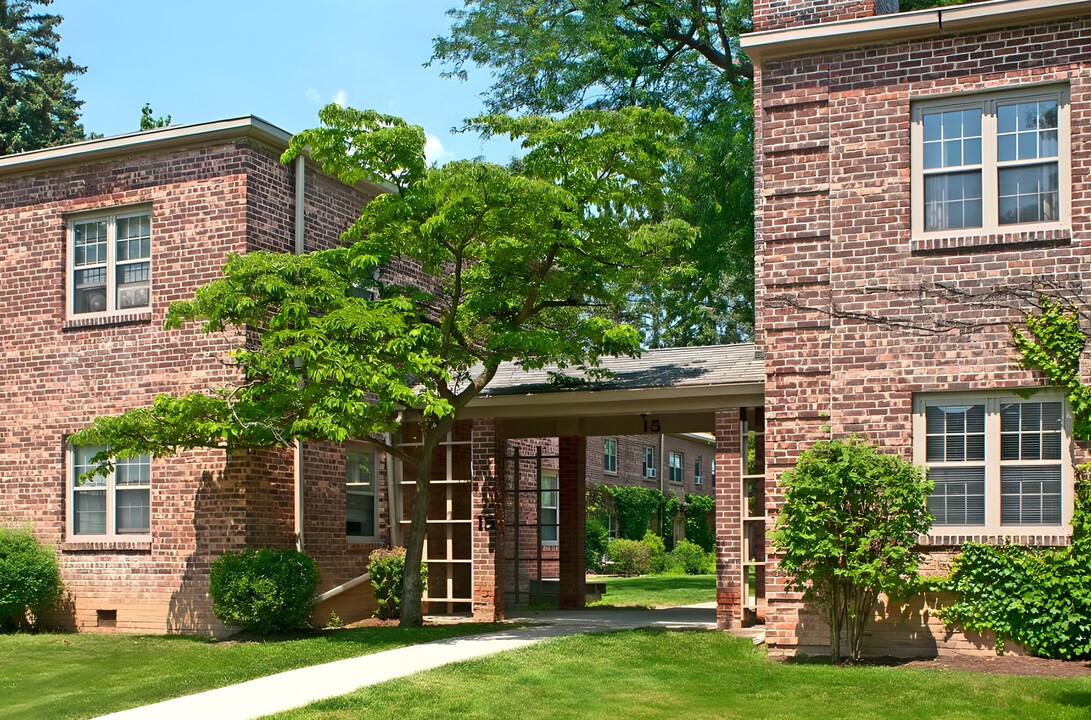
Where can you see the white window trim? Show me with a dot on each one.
(989, 191)
(605, 454)
(698, 470)
(680, 467)
(111, 534)
(992, 402)
(111, 215)
(366, 450)
(555, 476)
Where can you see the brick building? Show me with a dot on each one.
(920, 177)
(101, 237)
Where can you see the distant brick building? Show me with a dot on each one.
(920, 176)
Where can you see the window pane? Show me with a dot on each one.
(933, 155)
(134, 471)
(89, 291)
(959, 496)
(1030, 495)
(133, 285)
(133, 510)
(89, 512)
(952, 200)
(955, 433)
(360, 514)
(81, 463)
(1029, 194)
(933, 126)
(1006, 119)
(1005, 148)
(360, 470)
(89, 242)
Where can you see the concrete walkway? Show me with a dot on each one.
(295, 688)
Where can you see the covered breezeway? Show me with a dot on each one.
(717, 390)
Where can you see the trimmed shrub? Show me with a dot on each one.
(657, 552)
(30, 581)
(597, 540)
(630, 557)
(387, 568)
(691, 559)
(264, 590)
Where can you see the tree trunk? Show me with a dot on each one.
(835, 601)
(412, 589)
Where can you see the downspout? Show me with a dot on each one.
(300, 194)
(393, 499)
(662, 480)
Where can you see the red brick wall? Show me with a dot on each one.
(57, 376)
(778, 14)
(849, 307)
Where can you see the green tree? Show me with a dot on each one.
(848, 531)
(526, 265)
(554, 56)
(38, 105)
(148, 120)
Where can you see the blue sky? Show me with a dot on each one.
(201, 60)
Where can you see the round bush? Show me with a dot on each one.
(264, 590)
(657, 553)
(690, 558)
(30, 581)
(630, 557)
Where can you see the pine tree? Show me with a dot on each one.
(38, 105)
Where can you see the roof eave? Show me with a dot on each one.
(154, 140)
(809, 39)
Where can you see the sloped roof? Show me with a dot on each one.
(666, 368)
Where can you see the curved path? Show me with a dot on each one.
(295, 688)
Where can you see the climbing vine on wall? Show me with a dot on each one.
(635, 507)
(1053, 343)
(697, 529)
(1040, 598)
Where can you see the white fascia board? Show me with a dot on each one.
(173, 136)
(99, 149)
(789, 42)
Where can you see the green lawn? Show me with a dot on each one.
(84, 675)
(657, 591)
(662, 674)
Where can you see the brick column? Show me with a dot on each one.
(487, 523)
(573, 521)
(729, 501)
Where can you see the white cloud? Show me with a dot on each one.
(341, 98)
(313, 96)
(434, 150)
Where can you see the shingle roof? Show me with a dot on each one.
(666, 368)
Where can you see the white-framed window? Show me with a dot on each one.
(609, 455)
(109, 261)
(649, 461)
(1000, 462)
(991, 163)
(698, 471)
(549, 509)
(361, 506)
(118, 504)
(674, 463)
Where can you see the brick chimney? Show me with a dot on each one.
(780, 14)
